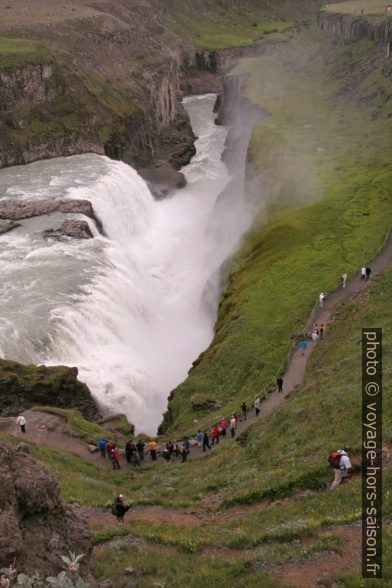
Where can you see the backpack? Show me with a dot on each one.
(114, 508)
(334, 459)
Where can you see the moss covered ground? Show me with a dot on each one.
(22, 52)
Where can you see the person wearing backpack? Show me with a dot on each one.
(340, 463)
(119, 508)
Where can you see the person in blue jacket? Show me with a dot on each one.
(102, 446)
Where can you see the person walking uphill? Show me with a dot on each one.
(279, 383)
(244, 410)
(119, 508)
(223, 425)
(257, 405)
(303, 346)
(233, 425)
(215, 435)
(21, 421)
(321, 299)
(206, 441)
(340, 463)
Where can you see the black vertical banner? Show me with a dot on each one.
(372, 453)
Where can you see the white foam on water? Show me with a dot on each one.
(135, 308)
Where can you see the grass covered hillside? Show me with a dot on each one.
(323, 178)
(263, 510)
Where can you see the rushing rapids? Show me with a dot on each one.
(132, 309)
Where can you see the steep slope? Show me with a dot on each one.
(319, 164)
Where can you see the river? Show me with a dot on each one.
(131, 309)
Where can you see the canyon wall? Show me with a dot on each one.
(352, 27)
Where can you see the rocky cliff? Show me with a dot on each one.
(36, 526)
(25, 386)
(353, 27)
(107, 76)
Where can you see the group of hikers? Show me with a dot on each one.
(136, 451)
(339, 461)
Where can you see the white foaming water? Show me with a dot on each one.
(132, 309)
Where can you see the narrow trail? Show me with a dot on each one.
(52, 431)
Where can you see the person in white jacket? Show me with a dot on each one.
(344, 466)
(21, 421)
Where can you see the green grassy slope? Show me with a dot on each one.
(323, 155)
(283, 456)
(21, 52)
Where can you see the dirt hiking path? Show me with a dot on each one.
(50, 430)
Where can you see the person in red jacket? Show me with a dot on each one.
(110, 447)
(215, 434)
(116, 459)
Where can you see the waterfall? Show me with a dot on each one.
(131, 309)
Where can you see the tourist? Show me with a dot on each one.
(321, 299)
(186, 445)
(21, 421)
(119, 508)
(279, 383)
(206, 441)
(140, 445)
(152, 447)
(340, 462)
(102, 446)
(244, 409)
(129, 448)
(257, 405)
(363, 273)
(183, 452)
(116, 459)
(316, 328)
(303, 346)
(215, 435)
(170, 447)
(110, 447)
(344, 280)
(314, 338)
(223, 426)
(199, 438)
(233, 425)
(166, 455)
(321, 331)
(368, 272)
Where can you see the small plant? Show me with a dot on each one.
(68, 578)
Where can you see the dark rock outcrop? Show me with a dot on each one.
(70, 229)
(37, 527)
(25, 386)
(7, 225)
(162, 178)
(20, 209)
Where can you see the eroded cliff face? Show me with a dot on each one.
(49, 109)
(115, 83)
(37, 527)
(25, 386)
(352, 27)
